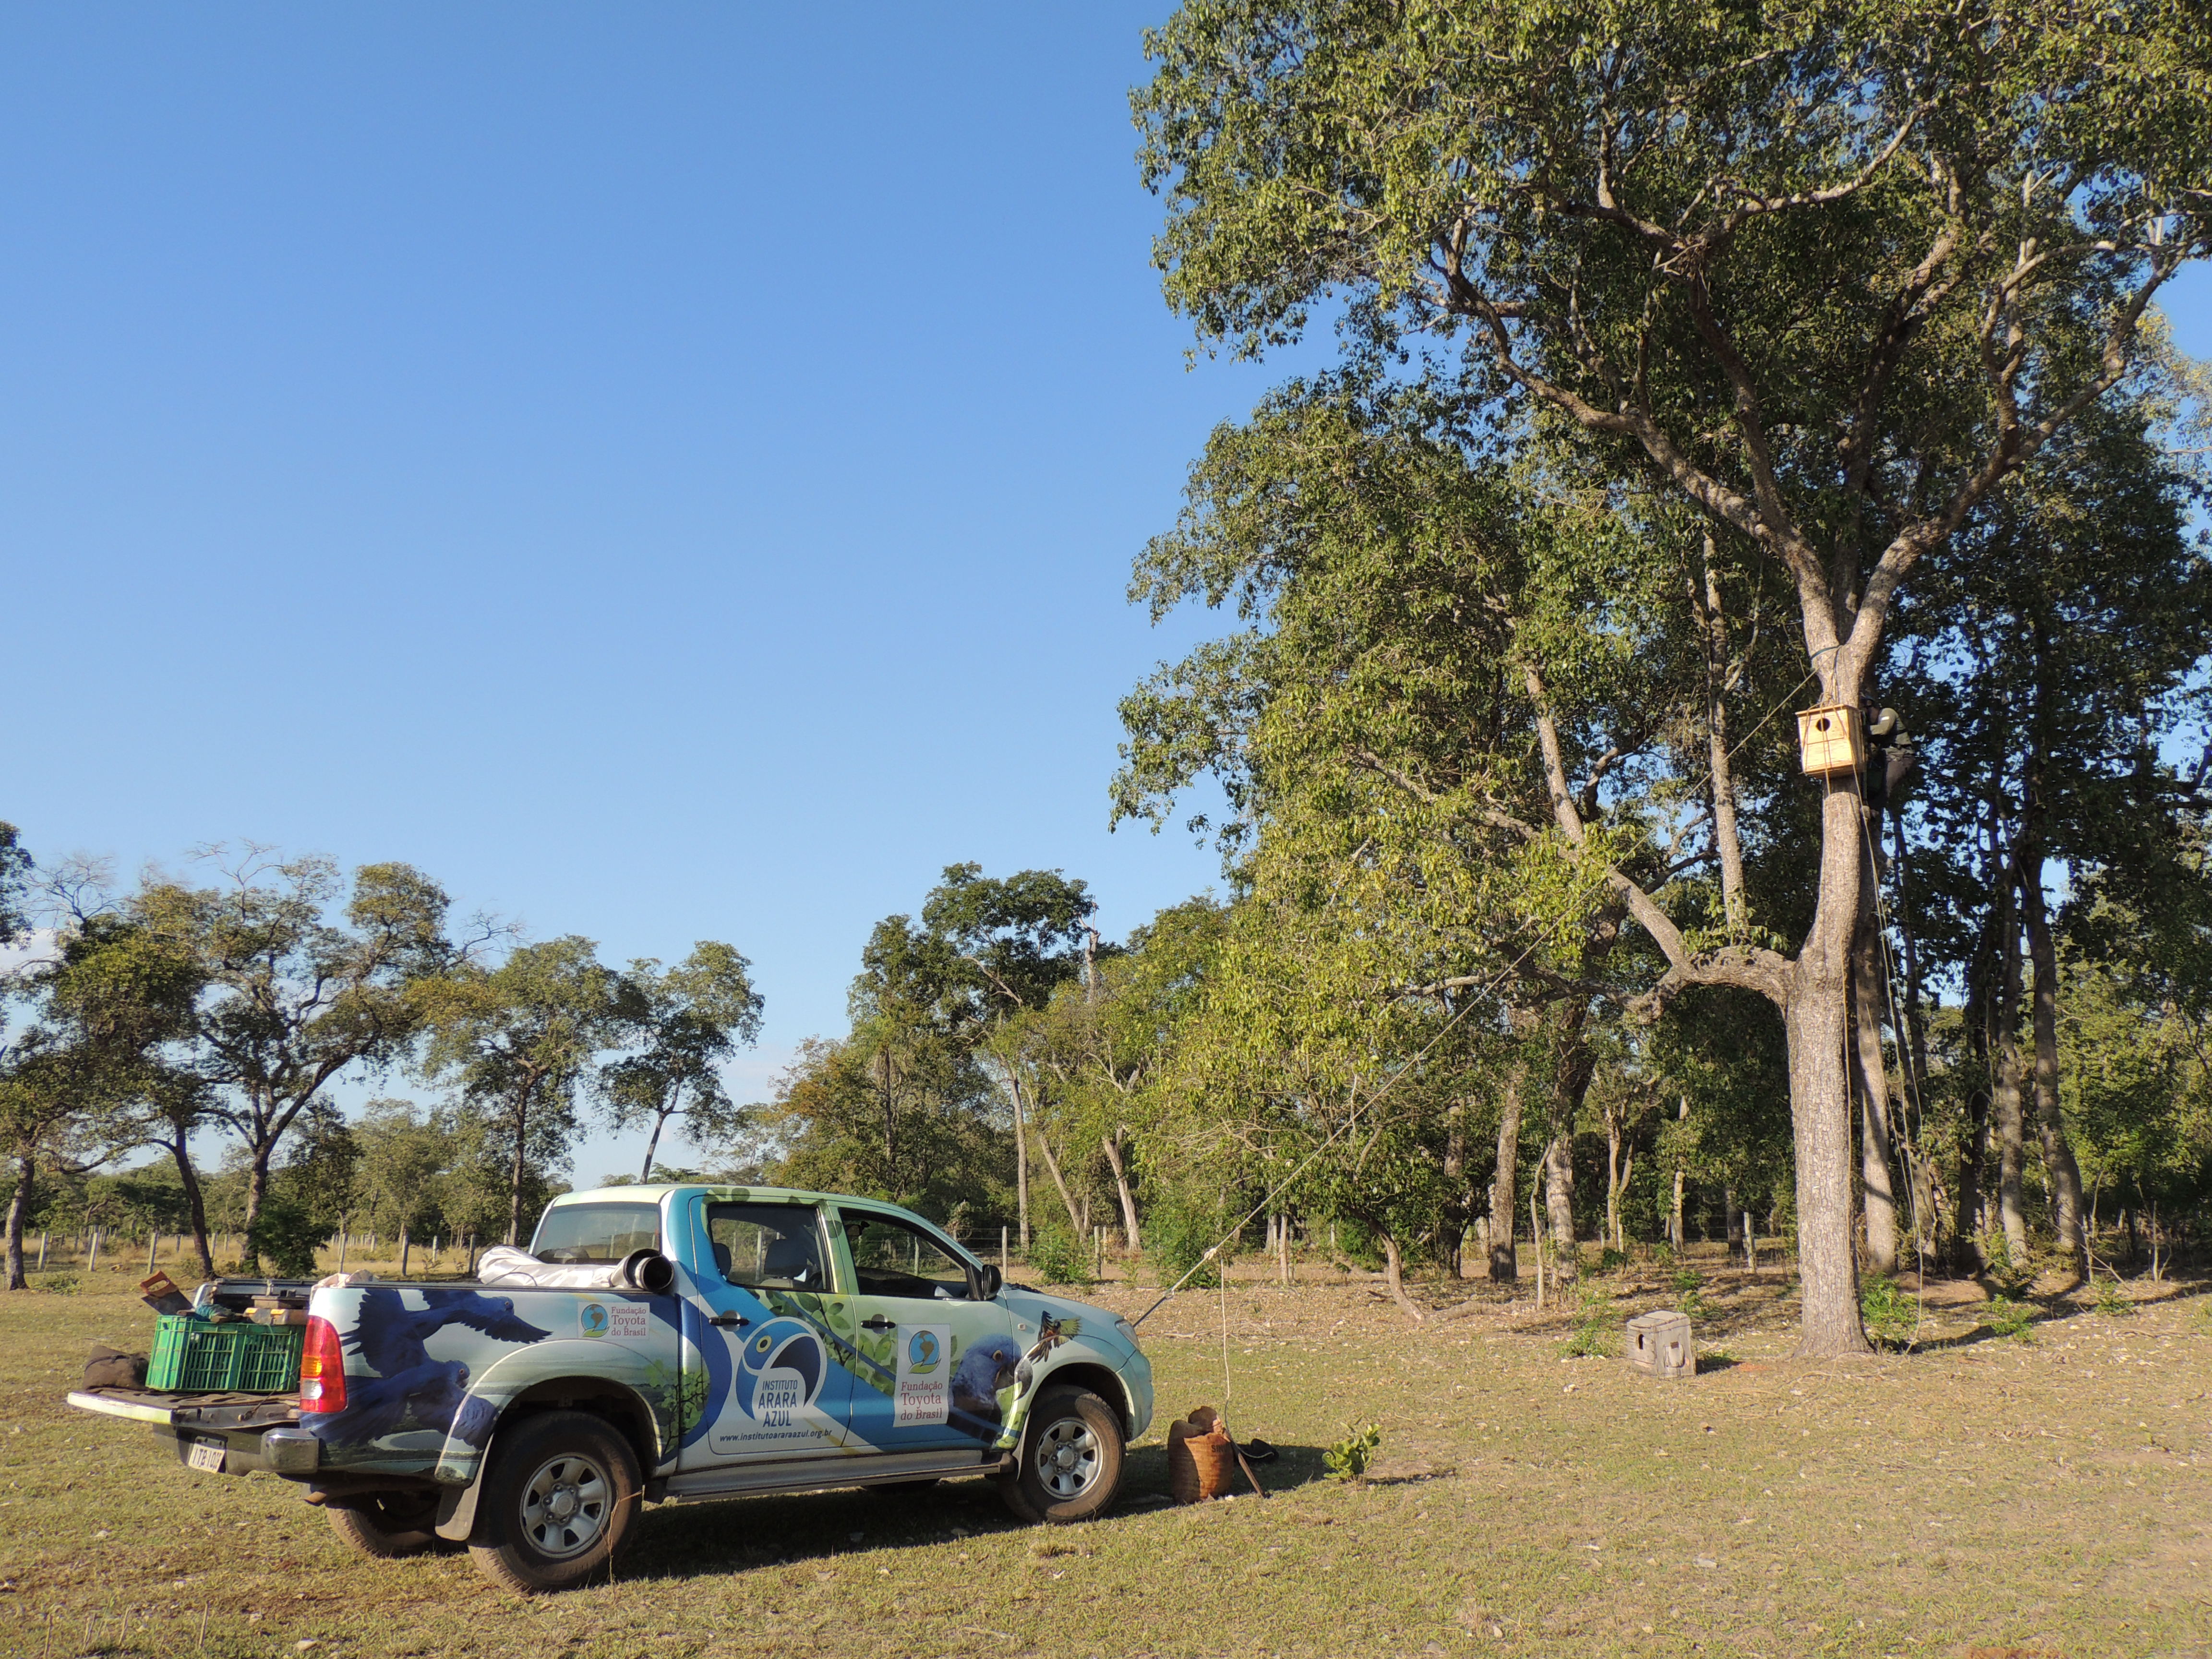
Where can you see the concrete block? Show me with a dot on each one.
(1659, 1345)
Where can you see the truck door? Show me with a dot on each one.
(776, 1381)
(934, 1355)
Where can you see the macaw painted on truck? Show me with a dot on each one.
(806, 1340)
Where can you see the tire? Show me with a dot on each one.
(560, 1503)
(1070, 1459)
(388, 1525)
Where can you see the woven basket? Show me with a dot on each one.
(1202, 1462)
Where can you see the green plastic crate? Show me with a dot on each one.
(196, 1355)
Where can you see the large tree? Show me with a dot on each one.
(1829, 270)
(81, 1083)
(691, 1018)
(520, 1040)
(293, 994)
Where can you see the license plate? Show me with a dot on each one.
(206, 1454)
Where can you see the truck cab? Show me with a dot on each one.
(804, 1340)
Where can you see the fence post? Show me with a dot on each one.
(42, 1250)
(152, 1250)
(1002, 1252)
(92, 1263)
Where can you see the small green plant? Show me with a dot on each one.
(56, 1284)
(1350, 1458)
(1059, 1257)
(2014, 1321)
(1594, 1329)
(1689, 1294)
(1892, 1317)
(1611, 1261)
(1715, 1356)
(2113, 1301)
(2010, 1277)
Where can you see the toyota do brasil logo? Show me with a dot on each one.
(921, 1353)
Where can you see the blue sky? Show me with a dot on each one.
(669, 471)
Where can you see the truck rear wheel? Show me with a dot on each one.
(1070, 1467)
(387, 1525)
(560, 1502)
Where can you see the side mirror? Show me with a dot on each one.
(988, 1283)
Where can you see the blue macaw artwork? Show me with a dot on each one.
(984, 1369)
(409, 1386)
(784, 1345)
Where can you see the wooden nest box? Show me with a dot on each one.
(1659, 1345)
(1831, 738)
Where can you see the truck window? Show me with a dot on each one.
(775, 1247)
(595, 1232)
(892, 1259)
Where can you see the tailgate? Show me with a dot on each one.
(222, 1433)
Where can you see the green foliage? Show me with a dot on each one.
(2011, 1276)
(285, 1236)
(2112, 1299)
(1891, 1317)
(55, 1284)
(1059, 1257)
(2014, 1321)
(15, 872)
(1610, 1260)
(1350, 1458)
(1689, 1287)
(518, 1041)
(1597, 1333)
(1176, 1237)
(684, 1022)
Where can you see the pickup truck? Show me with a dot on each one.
(803, 1341)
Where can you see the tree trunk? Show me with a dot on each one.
(1075, 1217)
(257, 1188)
(1394, 1275)
(1573, 1064)
(19, 1210)
(653, 1146)
(1674, 1216)
(1559, 1204)
(2062, 1172)
(1021, 1163)
(1872, 1077)
(1820, 1090)
(1713, 637)
(1504, 1266)
(1129, 1236)
(2004, 1081)
(195, 1201)
(514, 1179)
(1459, 1193)
(1974, 1152)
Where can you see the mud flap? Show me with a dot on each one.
(457, 1510)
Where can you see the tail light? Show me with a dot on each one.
(322, 1368)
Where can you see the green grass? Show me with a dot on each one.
(1972, 1494)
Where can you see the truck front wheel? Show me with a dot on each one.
(1070, 1465)
(387, 1525)
(560, 1502)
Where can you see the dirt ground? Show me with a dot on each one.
(1981, 1497)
